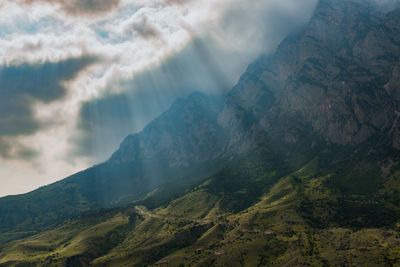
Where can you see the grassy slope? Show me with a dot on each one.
(74, 242)
(242, 216)
(275, 232)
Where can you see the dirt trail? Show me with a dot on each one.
(142, 210)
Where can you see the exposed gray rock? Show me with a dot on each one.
(340, 75)
(185, 134)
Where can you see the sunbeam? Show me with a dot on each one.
(136, 76)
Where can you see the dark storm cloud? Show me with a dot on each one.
(15, 150)
(41, 81)
(24, 85)
(82, 7)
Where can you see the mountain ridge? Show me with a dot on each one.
(116, 182)
(304, 91)
(303, 150)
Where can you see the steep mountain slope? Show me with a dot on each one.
(299, 168)
(183, 143)
(338, 77)
(189, 127)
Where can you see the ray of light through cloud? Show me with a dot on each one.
(133, 59)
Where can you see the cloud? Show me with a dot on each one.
(177, 2)
(81, 7)
(21, 87)
(41, 81)
(13, 150)
(211, 62)
(146, 30)
(105, 121)
(150, 58)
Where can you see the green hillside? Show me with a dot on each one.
(306, 217)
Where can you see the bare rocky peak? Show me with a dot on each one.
(339, 75)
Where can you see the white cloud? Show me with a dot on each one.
(133, 36)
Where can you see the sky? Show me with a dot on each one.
(77, 76)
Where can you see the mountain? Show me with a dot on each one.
(299, 165)
(185, 141)
(339, 76)
(186, 135)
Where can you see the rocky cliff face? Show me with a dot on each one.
(188, 133)
(339, 75)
